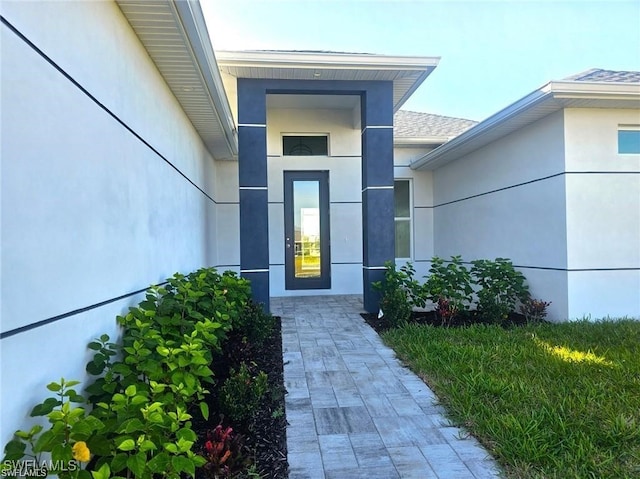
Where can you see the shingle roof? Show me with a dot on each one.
(611, 76)
(412, 124)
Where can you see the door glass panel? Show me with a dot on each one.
(306, 219)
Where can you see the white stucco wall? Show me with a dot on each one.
(89, 212)
(227, 215)
(345, 193)
(496, 202)
(603, 215)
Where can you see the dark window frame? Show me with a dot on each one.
(305, 145)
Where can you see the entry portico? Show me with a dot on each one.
(284, 94)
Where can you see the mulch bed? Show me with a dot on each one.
(265, 434)
(431, 318)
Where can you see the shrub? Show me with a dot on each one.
(145, 385)
(223, 451)
(65, 440)
(449, 286)
(501, 287)
(534, 310)
(446, 310)
(203, 296)
(399, 291)
(242, 392)
(254, 324)
(146, 438)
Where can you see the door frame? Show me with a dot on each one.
(324, 280)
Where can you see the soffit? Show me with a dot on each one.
(175, 36)
(406, 73)
(329, 102)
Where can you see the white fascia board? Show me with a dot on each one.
(476, 132)
(595, 90)
(346, 61)
(192, 19)
(417, 142)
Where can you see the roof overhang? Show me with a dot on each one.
(176, 38)
(550, 98)
(419, 142)
(407, 73)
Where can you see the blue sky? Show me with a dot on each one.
(492, 52)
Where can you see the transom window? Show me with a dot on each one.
(629, 139)
(403, 214)
(315, 145)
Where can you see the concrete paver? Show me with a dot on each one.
(353, 410)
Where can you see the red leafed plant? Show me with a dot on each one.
(223, 452)
(534, 310)
(446, 310)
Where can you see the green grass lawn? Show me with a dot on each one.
(548, 400)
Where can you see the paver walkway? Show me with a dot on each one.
(354, 411)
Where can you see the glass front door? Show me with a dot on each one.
(306, 205)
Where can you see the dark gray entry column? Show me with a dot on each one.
(377, 187)
(252, 168)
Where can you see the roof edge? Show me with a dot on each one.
(418, 141)
(191, 18)
(326, 60)
(591, 89)
(414, 87)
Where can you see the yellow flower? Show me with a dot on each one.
(81, 452)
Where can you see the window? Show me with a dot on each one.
(629, 139)
(402, 199)
(304, 145)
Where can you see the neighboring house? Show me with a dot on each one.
(130, 151)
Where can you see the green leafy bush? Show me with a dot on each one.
(242, 392)
(254, 324)
(144, 386)
(501, 287)
(399, 292)
(68, 440)
(448, 286)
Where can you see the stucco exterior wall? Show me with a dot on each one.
(90, 213)
(508, 199)
(227, 226)
(603, 215)
(345, 193)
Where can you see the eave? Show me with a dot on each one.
(419, 142)
(406, 72)
(176, 38)
(550, 98)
